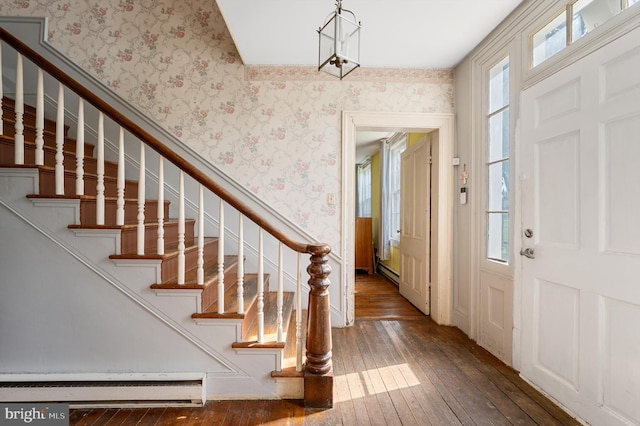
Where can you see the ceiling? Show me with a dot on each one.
(395, 33)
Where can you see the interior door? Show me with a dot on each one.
(581, 238)
(415, 224)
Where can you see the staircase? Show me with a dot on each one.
(164, 265)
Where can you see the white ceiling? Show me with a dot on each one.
(395, 33)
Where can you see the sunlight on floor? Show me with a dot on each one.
(373, 381)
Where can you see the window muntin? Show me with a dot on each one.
(497, 164)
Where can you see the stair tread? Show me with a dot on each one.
(169, 251)
(85, 197)
(129, 226)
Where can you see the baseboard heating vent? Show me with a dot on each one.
(142, 389)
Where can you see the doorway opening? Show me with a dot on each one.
(441, 291)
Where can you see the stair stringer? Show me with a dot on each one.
(245, 376)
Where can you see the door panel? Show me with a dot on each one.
(415, 225)
(580, 153)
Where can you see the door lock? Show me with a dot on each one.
(528, 252)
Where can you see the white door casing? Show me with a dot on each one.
(580, 151)
(352, 121)
(415, 224)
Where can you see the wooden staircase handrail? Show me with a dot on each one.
(158, 146)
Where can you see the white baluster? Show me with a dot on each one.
(260, 314)
(39, 155)
(181, 227)
(221, 259)
(120, 181)
(280, 294)
(200, 270)
(19, 109)
(100, 172)
(1, 94)
(160, 243)
(299, 316)
(141, 200)
(60, 142)
(240, 282)
(80, 150)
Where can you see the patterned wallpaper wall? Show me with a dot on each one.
(276, 130)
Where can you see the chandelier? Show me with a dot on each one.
(339, 51)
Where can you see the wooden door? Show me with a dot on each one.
(415, 225)
(581, 238)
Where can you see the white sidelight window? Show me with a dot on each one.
(497, 173)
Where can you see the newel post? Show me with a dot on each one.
(318, 375)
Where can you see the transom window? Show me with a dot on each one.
(497, 163)
(571, 24)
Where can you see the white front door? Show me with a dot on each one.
(415, 224)
(580, 176)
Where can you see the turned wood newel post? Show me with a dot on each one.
(318, 376)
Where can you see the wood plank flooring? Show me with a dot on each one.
(393, 367)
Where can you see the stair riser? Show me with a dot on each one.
(170, 265)
(29, 117)
(49, 138)
(48, 185)
(129, 237)
(210, 292)
(252, 312)
(88, 212)
(69, 162)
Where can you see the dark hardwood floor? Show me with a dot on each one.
(393, 367)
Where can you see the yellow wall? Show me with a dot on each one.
(415, 137)
(393, 262)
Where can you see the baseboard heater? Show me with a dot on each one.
(106, 390)
(392, 275)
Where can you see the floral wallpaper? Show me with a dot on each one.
(276, 130)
